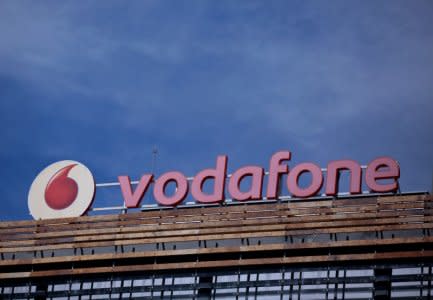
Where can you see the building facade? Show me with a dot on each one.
(358, 247)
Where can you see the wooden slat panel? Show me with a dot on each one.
(192, 234)
(143, 218)
(309, 223)
(220, 250)
(275, 211)
(297, 219)
(219, 225)
(143, 238)
(208, 210)
(401, 255)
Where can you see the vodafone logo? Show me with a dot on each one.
(66, 188)
(63, 189)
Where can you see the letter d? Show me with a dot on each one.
(219, 176)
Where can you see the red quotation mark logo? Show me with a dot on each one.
(63, 189)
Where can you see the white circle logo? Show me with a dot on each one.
(63, 189)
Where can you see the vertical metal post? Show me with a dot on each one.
(70, 288)
(154, 154)
(214, 288)
(237, 284)
(81, 288)
(153, 286)
(429, 286)
(247, 289)
(327, 283)
(283, 274)
(91, 290)
(29, 289)
(131, 287)
(291, 284)
(172, 288)
(154, 157)
(421, 287)
(336, 285)
(382, 284)
(300, 284)
(121, 289)
(255, 287)
(162, 290)
(205, 293)
(344, 284)
(195, 292)
(111, 286)
(41, 290)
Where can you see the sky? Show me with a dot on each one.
(104, 83)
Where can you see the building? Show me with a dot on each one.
(355, 247)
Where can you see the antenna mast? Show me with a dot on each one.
(154, 154)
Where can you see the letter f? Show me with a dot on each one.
(275, 169)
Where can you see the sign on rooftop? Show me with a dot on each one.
(67, 188)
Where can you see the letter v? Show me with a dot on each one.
(132, 199)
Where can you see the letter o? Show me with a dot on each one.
(316, 181)
(181, 188)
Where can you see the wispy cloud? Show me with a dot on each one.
(105, 84)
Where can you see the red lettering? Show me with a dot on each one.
(133, 199)
(333, 175)
(316, 181)
(275, 170)
(382, 168)
(255, 191)
(219, 176)
(181, 188)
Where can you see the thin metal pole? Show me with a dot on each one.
(421, 286)
(238, 283)
(344, 285)
(153, 286)
(154, 154)
(162, 290)
(121, 288)
(429, 286)
(282, 280)
(336, 285)
(247, 289)
(91, 290)
(300, 284)
(255, 286)
(81, 288)
(214, 288)
(291, 284)
(327, 283)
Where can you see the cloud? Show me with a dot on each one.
(106, 84)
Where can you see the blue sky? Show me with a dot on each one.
(105, 82)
